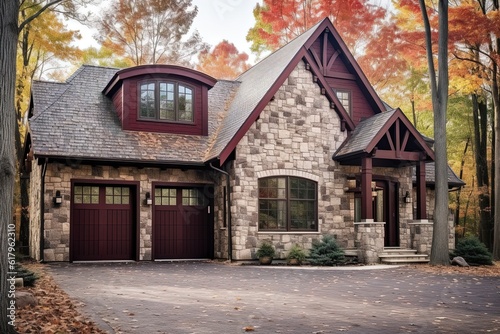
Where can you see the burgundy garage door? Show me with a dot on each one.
(102, 223)
(182, 226)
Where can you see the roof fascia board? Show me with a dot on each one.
(158, 69)
(359, 72)
(339, 108)
(398, 114)
(260, 106)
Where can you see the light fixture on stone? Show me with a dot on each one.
(407, 197)
(57, 198)
(148, 200)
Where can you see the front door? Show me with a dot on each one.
(385, 209)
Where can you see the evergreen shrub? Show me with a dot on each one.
(326, 252)
(473, 251)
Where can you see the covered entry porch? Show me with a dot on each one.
(385, 148)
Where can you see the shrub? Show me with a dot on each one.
(296, 252)
(265, 249)
(473, 251)
(326, 252)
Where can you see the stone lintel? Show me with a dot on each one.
(368, 222)
(421, 222)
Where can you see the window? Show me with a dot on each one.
(287, 204)
(117, 195)
(345, 99)
(165, 196)
(166, 101)
(86, 195)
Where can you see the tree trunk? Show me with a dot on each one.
(459, 192)
(496, 184)
(9, 11)
(439, 91)
(480, 117)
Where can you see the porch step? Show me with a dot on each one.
(402, 256)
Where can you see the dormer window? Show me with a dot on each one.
(166, 101)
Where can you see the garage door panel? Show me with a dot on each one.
(181, 231)
(101, 229)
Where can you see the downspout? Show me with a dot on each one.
(42, 209)
(228, 199)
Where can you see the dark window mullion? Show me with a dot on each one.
(176, 101)
(157, 100)
(288, 214)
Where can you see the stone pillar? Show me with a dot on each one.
(421, 235)
(369, 240)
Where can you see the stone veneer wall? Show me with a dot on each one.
(34, 209)
(57, 219)
(296, 135)
(426, 233)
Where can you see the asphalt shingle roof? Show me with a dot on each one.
(255, 84)
(364, 133)
(76, 120)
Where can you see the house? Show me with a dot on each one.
(162, 162)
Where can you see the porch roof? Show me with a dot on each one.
(389, 138)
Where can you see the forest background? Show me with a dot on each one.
(387, 40)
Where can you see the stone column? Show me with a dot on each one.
(369, 240)
(421, 235)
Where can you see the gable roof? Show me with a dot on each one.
(430, 176)
(385, 136)
(91, 131)
(261, 82)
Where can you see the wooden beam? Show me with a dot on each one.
(387, 154)
(316, 58)
(332, 61)
(338, 75)
(421, 191)
(325, 50)
(366, 188)
(398, 139)
(405, 139)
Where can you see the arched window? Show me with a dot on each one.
(166, 101)
(287, 203)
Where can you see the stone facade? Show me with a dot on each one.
(57, 218)
(295, 135)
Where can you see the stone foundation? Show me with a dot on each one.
(369, 240)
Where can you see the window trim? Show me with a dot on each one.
(349, 93)
(288, 201)
(157, 118)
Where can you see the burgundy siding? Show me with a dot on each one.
(118, 103)
(340, 75)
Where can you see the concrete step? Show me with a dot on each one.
(403, 261)
(401, 251)
(402, 256)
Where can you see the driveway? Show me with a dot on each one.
(170, 297)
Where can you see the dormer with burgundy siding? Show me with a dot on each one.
(161, 98)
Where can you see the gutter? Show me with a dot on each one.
(229, 229)
(42, 209)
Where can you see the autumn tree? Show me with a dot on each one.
(151, 31)
(223, 62)
(10, 27)
(439, 91)
(366, 28)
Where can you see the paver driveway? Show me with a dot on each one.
(163, 297)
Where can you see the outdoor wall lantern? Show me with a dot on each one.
(407, 197)
(57, 198)
(148, 200)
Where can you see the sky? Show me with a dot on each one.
(216, 20)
